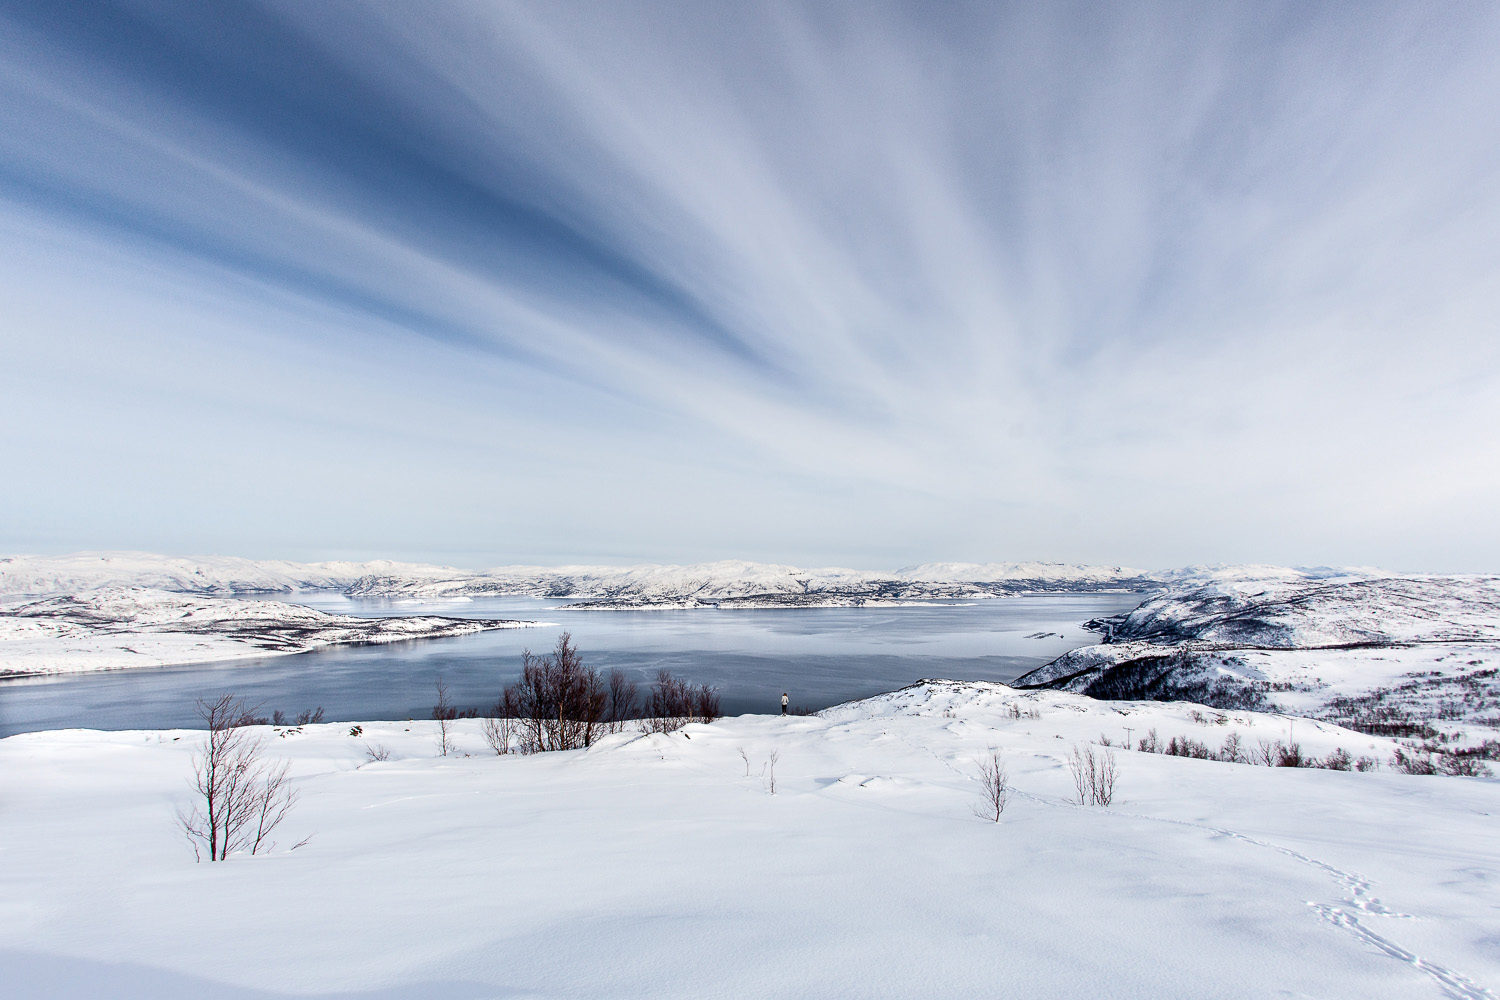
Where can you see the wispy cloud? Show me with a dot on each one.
(863, 283)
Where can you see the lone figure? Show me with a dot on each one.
(783, 702)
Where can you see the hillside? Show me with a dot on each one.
(1413, 656)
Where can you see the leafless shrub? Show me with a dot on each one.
(1366, 764)
(1094, 774)
(311, 717)
(1412, 763)
(501, 726)
(746, 758)
(1182, 746)
(240, 797)
(1231, 751)
(377, 752)
(1466, 766)
(1416, 762)
(1150, 743)
(1338, 759)
(444, 713)
(770, 771)
(247, 717)
(994, 784)
(1291, 756)
(673, 703)
(1104, 741)
(1013, 710)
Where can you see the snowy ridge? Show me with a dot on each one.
(71, 574)
(1398, 654)
(118, 628)
(728, 583)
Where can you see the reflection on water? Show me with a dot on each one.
(822, 656)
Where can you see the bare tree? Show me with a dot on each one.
(673, 703)
(240, 797)
(705, 704)
(444, 713)
(770, 771)
(501, 726)
(623, 701)
(561, 701)
(994, 784)
(1094, 774)
(746, 758)
(1080, 768)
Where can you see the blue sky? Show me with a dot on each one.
(857, 284)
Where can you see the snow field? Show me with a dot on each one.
(652, 866)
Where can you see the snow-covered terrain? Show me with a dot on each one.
(725, 584)
(1400, 655)
(662, 866)
(71, 574)
(120, 627)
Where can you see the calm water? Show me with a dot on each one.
(822, 656)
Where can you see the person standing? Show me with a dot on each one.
(784, 701)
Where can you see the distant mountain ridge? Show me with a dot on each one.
(732, 583)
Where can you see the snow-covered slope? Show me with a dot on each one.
(1405, 655)
(119, 627)
(726, 584)
(662, 867)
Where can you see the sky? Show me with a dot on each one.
(854, 284)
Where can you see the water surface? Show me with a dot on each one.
(820, 656)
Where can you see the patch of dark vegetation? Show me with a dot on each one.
(1408, 710)
(1180, 675)
(1267, 753)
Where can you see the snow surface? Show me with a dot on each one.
(1423, 649)
(729, 583)
(116, 628)
(653, 866)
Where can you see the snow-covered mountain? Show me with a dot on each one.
(81, 571)
(729, 583)
(121, 627)
(1400, 655)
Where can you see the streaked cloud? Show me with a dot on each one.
(855, 283)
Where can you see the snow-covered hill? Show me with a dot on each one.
(662, 866)
(119, 627)
(72, 574)
(727, 584)
(1404, 655)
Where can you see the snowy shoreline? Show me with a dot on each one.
(123, 628)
